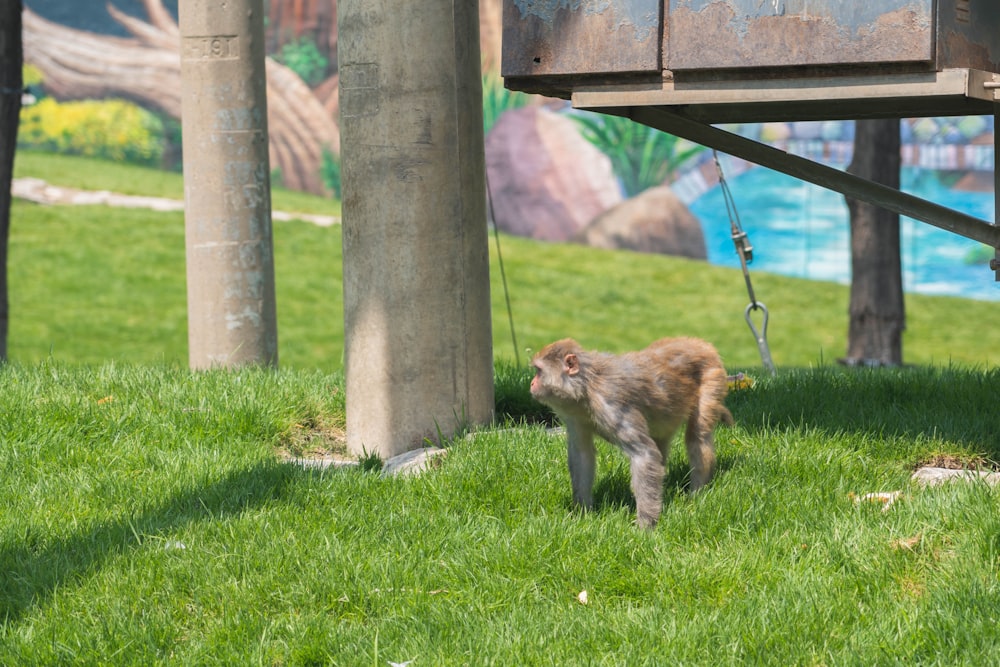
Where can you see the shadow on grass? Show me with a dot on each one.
(612, 490)
(952, 404)
(33, 568)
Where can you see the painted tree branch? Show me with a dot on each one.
(146, 69)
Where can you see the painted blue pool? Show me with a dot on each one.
(798, 229)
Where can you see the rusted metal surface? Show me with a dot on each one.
(565, 37)
(564, 42)
(726, 34)
(968, 34)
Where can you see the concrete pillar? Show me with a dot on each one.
(419, 352)
(227, 190)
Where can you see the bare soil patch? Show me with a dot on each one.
(317, 440)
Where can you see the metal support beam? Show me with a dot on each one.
(950, 92)
(676, 123)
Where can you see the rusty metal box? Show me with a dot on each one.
(553, 40)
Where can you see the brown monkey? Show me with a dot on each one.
(636, 401)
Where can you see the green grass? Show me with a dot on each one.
(147, 517)
(158, 527)
(91, 284)
(620, 300)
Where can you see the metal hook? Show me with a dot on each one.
(761, 335)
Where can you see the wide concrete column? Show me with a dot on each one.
(227, 189)
(419, 352)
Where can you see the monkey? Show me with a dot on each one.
(635, 401)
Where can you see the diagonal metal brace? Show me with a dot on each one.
(855, 187)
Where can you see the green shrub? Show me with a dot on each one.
(110, 129)
(330, 172)
(173, 144)
(497, 99)
(981, 254)
(277, 178)
(640, 156)
(32, 76)
(303, 57)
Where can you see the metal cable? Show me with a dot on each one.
(745, 252)
(503, 274)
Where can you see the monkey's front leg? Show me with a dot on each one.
(582, 462)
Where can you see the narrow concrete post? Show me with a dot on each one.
(227, 190)
(995, 263)
(419, 351)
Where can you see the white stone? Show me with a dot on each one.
(40, 192)
(321, 463)
(413, 462)
(937, 476)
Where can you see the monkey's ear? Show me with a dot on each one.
(571, 365)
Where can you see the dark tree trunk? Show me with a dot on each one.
(877, 316)
(11, 61)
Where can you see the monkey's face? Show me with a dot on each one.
(537, 381)
(557, 369)
(554, 379)
(547, 379)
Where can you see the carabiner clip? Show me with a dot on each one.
(761, 335)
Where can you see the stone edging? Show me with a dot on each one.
(38, 191)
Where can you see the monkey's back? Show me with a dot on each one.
(667, 376)
(694, 354)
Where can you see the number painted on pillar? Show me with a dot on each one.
(219, 47)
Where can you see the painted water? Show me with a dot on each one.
(802, 230)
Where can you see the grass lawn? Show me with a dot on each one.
(90, 284)
(149, 518)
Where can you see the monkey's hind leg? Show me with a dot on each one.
(698, 436)
(701, 453)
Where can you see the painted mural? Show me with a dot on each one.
(104, 80)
